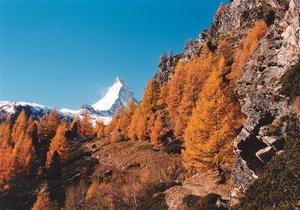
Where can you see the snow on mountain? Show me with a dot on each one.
(34, 109)
(10, 107)
(117, 95)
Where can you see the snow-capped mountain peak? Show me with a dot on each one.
(117, 95)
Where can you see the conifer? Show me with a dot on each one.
(157, 131)
(59, 143)
(86, 129)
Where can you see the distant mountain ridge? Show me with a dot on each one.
(116, 96)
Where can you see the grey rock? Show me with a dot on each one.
(280, 47)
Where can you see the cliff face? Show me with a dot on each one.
(267, 87)
(261, 97)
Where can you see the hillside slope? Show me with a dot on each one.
(217, 128)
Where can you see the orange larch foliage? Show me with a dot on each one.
(249, 45)
(85, 127)
(119, 128)
(48, 124)
(161, 102)
(175, 92)
(142, 120)
(59, 143)
(24, 154)
(17, 151)
(184, 88)
(212, 128)
(132, 129)
(99, 129)
(157, 131)
(5, 135)
(112, 125)
(19, 125)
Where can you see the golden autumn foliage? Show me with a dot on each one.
(5, 135)
(119, 128)
(157, 131)
(142, 119)
(249, 45)
(48, 124)
(132, 129)
(99, 129)
(211, 131)
(59, 143)
(216, 118)
(85, 127)
(184, 88)
(24, 154)
(17, 150)
(19, 126)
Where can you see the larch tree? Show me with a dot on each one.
(32, 131)
(125, 119)
(148, 108)
(175, 92)
(59, 143)
(24, 159)
(48, 124)
(196, 71)
(249, 45)
(132, 129)
(86, 130)
(142, 129)
(157, 131)
(99, 129)
(6, 149)
(212, 128)
(113, 124)
(5, 134)
(140, 126)
(19, 125)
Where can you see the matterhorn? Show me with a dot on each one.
(116, 96)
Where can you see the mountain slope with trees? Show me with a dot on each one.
(217, 127)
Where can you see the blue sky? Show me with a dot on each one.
(65, 53)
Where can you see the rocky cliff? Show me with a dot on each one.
(268, 86)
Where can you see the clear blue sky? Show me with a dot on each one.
(65, 53)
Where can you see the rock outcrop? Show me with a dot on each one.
(260, 96)
(268, 90)
(166, 68)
